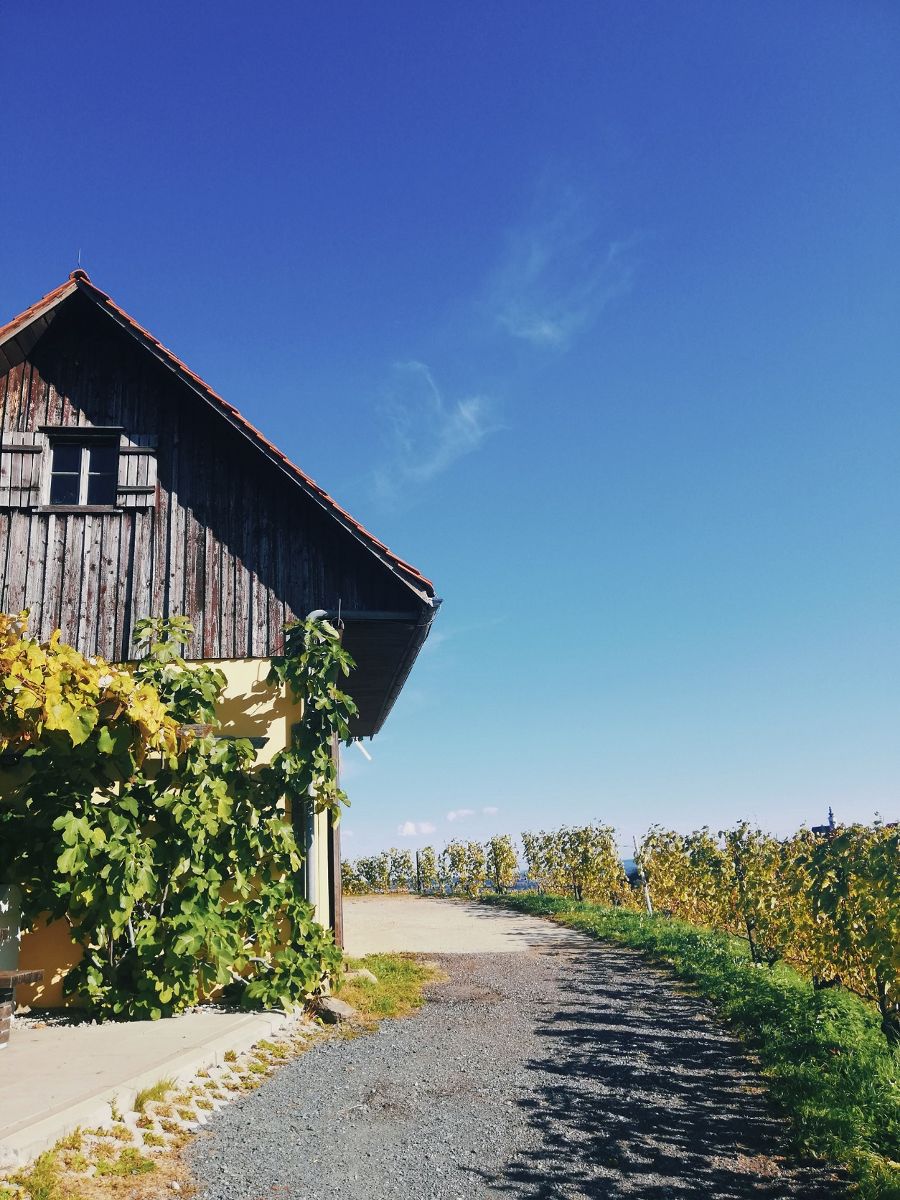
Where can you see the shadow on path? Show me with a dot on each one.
(639, 1092)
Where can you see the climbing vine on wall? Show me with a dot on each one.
(313, 665)
(168, 851)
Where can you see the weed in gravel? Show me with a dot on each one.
(349, 1033)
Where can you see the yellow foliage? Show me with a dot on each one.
(49, 687)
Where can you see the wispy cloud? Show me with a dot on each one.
(441, 634)
(415, 828)
(427, 432)
(457, 814)
(559, 271)
(490, 810)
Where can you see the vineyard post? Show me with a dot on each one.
(643, 878)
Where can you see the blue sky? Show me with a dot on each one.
(590, 310)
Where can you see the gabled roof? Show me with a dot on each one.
(24, 331)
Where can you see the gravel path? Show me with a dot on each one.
(574, 1070)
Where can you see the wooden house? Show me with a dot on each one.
(129, 488)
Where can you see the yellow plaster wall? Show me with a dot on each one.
(250, 707)
(48, 948)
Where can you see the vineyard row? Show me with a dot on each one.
(826, 901)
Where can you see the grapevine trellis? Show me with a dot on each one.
(826, 901)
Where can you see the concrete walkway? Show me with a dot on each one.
(59, 1076)
(421, 925)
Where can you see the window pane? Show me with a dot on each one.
(63, 488)
(103, 459)
(101, 489)
(66, 457)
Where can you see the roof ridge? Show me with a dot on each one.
(80, 281)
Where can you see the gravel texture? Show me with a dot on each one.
(575, 1070)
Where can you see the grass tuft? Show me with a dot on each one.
(129, 1162)
(824, 1057)
(42, 1179)
(398, 992)
(156, 1091)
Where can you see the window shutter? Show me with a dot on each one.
(20, 468)
(137, 471)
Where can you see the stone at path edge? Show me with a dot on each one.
(362, 975)
(334, 1011)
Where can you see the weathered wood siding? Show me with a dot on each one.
(230, 540)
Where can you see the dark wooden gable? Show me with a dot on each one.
(204, 523)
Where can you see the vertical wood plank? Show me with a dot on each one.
(53, 575)
(13, 397)
(212, 570)
(87, 608)
(261, 580)
(17, 562)
(5, 539)
(110, 597)
(142, 554)
(35, 568)
(242, 514)
(73, 568)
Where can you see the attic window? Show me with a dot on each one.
(84, 472)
